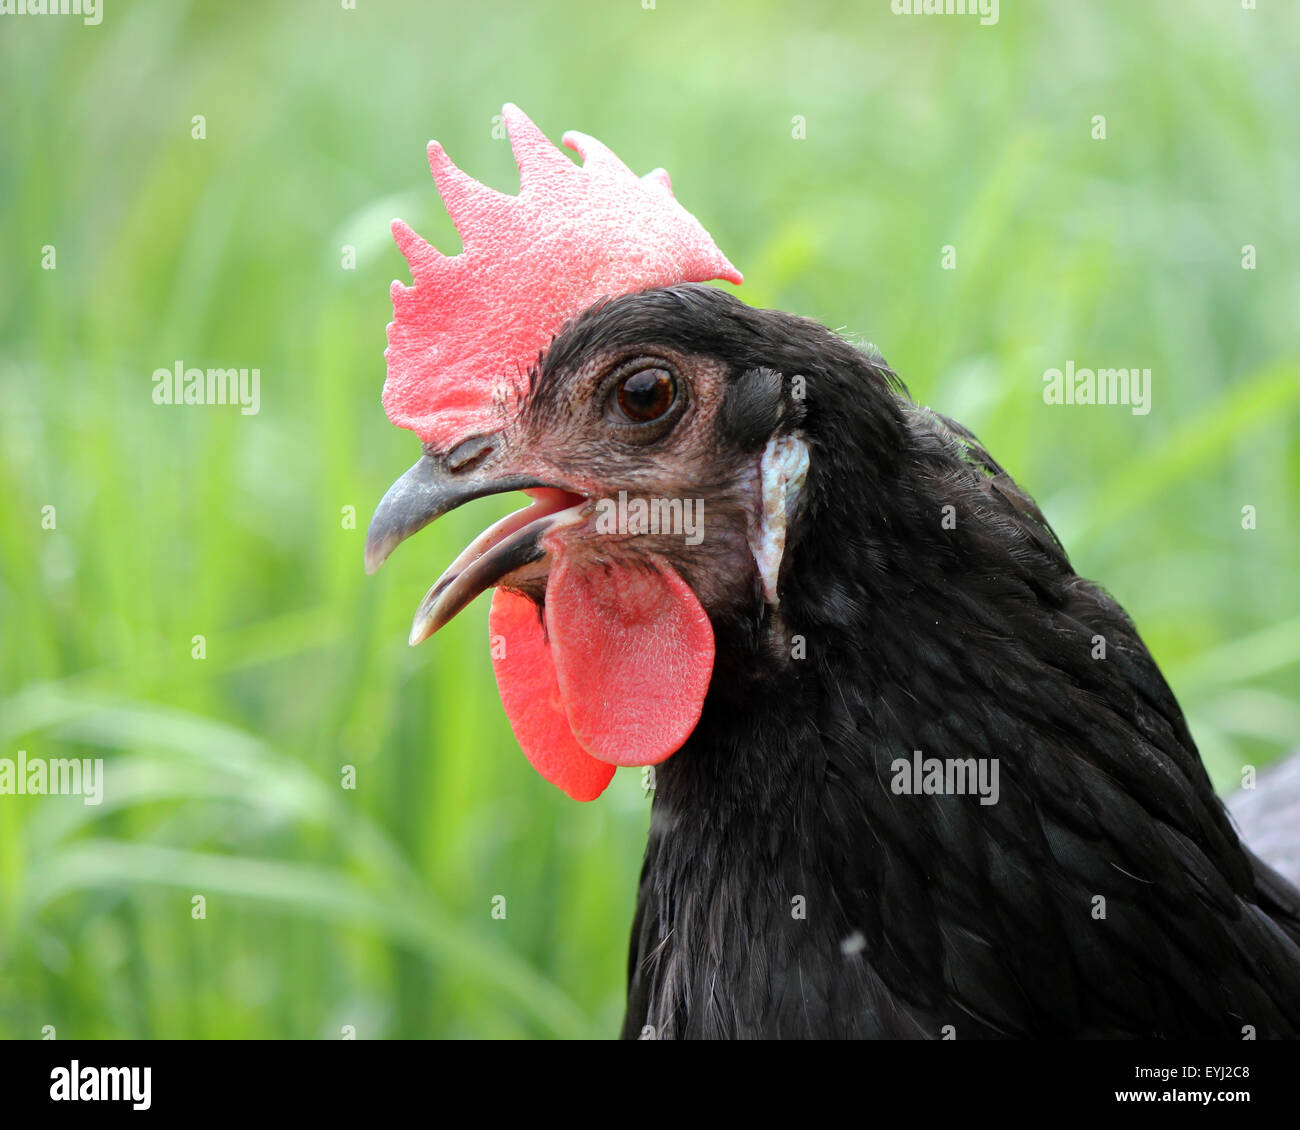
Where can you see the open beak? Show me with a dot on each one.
(511, 550)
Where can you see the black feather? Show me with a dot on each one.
(1106, 893)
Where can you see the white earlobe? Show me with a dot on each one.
(782, 472)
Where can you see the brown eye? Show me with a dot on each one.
(647, 394)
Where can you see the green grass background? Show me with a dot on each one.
(371, 908)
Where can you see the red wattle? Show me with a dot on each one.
(633, 657)
(531, 697)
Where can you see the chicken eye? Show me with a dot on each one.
(646, 395)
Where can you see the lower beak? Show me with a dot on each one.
(512, 549)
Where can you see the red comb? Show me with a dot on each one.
(465, 334)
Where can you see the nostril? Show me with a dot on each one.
(468, 453)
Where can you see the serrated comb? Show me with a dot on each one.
(465, 334)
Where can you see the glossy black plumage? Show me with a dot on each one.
(967, 638)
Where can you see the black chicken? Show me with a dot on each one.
(934, 784)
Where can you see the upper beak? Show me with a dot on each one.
(435, 485)
(438, 484)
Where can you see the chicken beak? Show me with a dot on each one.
(432, 488)
(428, 491)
